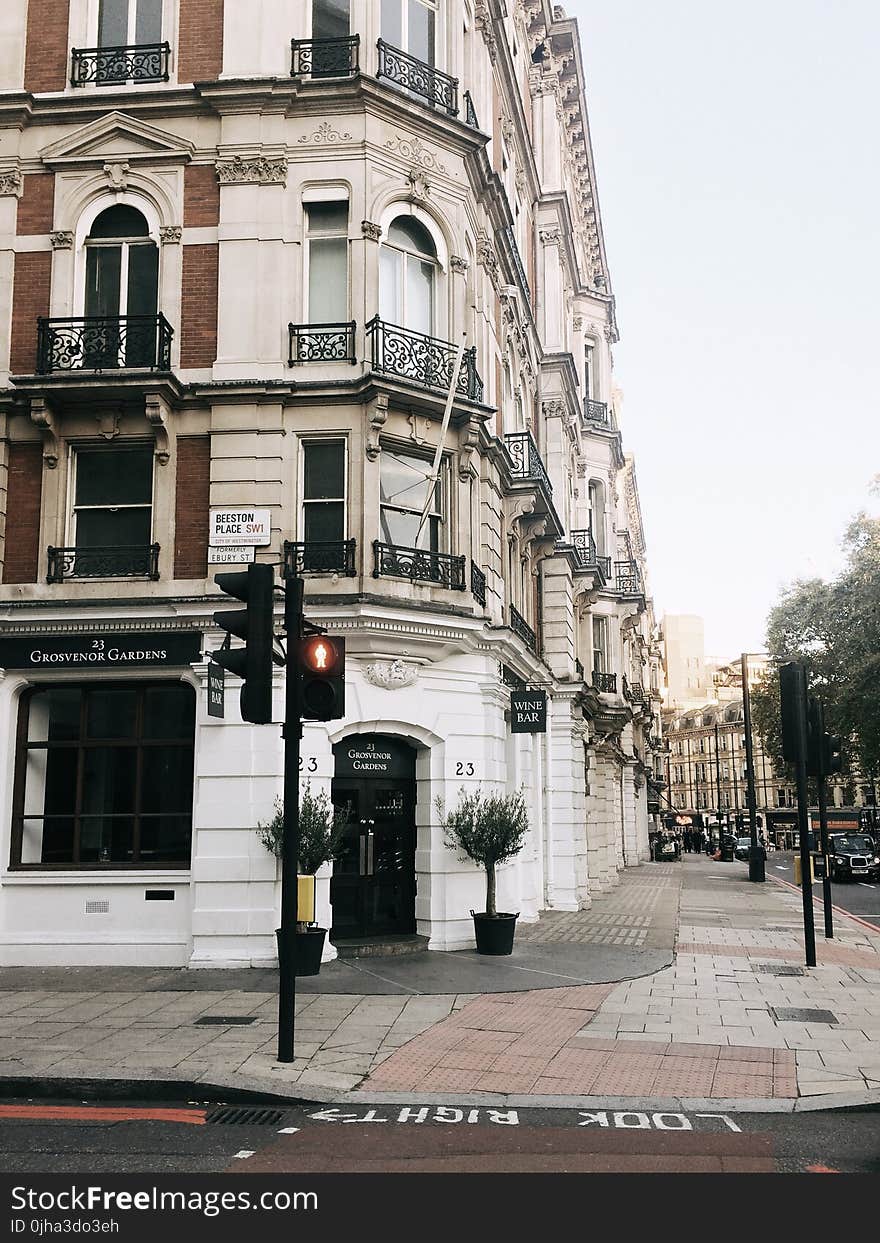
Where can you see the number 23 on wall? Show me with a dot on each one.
(309, 765)
(464, 768)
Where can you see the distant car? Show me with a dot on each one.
(853, 855)
(667, 849)
(742, 848)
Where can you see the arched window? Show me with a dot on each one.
(122, 287)
(408, 276)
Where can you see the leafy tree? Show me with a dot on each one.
(487, 828)
(321, 826)
(834, 628)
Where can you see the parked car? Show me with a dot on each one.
(742, 848)
(667, 849)
(852, 855)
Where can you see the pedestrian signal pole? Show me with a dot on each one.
(818, 768)
(292, 733)
(756, 853)
(793, 703)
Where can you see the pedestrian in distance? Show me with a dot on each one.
(697, 841)
(687, 841)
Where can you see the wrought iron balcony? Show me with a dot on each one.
(470, 112)
(627, 578)
(319, 557)
(595, 411)
(478, 585)
(104, 343)
(438, 89)
(418, 565)
(325, 58)
(518, 263)
(321, 343)
(523, 630)
(426, 361)
(605, 683)
(526, 462)
(636, 693)
(108, 561)
(108, 66)
(585, 550)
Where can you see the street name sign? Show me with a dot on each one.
(233, 526)
(240, 555)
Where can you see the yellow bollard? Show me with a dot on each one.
(797, 870)
(305, 899)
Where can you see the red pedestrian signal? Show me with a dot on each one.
(321, 668)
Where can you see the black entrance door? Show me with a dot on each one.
(373, 887)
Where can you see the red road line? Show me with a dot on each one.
(101, 1113)
(820, 902)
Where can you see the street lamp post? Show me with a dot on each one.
(718, 781)
(756, 852)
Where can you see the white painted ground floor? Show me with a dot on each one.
(128, 814)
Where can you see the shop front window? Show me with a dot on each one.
(104, 776)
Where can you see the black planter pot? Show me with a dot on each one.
(494, 933)
(308, 948)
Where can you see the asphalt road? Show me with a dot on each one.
(860, 898)
(181, 1137)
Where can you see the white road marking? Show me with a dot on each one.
(245, 1152)
(288, 1130)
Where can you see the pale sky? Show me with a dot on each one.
(737, 164)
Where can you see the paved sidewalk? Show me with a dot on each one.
(732, 1018)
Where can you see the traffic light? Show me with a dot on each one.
(793, 705)
(255, 624)
(833, 754)
(816, 738)
(321, 667)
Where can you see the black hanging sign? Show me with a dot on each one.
(528, 712)
(216, 686)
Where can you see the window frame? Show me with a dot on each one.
(442, 513)
(77, 447)
(432, 6)
(411, 255)
(20, 764)
(305, 442)
(324, 200)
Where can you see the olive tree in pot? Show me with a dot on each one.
(321, 826)
(488, 828)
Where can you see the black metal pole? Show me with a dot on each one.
(799, 727)
(823, 837)
(718, 783)
(293, 597)
(756, 852)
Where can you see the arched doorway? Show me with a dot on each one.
(373, 888)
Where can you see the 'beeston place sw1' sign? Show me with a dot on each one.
(228, 527)
(528, 712)
(159, 648)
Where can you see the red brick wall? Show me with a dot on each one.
(30, 298)
(37, 203)
(191, 507)
(200, 55)
(45, 61)
(23, 497)
(198, 330)
(201, 196)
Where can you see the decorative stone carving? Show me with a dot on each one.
(553, 409)
(486, 256)
(372, 232)
(483, 23)
(10, 181)
(507, 128)
(391, 675)
(108, 424)
(117, 175)
(61, 239)
(170, 234)
(520, 181)
(43, 418)
(378, 414)
(414, 434)
(157, 412)
(551, 235)
(323, 136)
(252, 170)
(419, 185)
(577, 323)
(414, 150)
(458, 264)
(468, 437)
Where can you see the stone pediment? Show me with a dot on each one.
(116, 138)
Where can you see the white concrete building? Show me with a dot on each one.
(236, 261)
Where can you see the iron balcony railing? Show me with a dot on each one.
(518, 263)
(625, 688)
(470, 112)
(427, 361)
(438, 89)
(626, 577)
(108, 66)
(605, 683)
(325, 58)
(104, 343)
(523, 630)
(595, 411)
(526, 461)
(418, 565)
(585, 549)
(321, 343)
(478, 585)
(319, 557)
(636, 693)
(107, 561)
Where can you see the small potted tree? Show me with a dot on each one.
(488, 828)
(321, 826)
